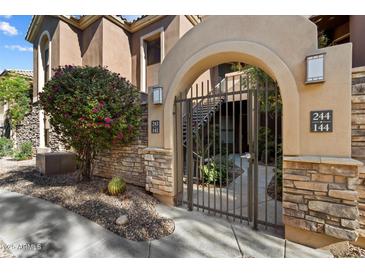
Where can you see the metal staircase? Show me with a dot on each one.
(202, 112)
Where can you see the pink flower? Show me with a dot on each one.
(95, 110)
(107, 120)
(120, 135)
(107, 125)
(101, 104)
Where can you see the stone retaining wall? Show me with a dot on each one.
(28, 130)
(126, 162)
(158, 163)
(321, 195)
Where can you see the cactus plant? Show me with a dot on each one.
(116, 186)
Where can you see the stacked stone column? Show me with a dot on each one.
(160, 181)
(320, 194)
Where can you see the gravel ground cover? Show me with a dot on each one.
(346, 250)
(4, 251)
(89, 200)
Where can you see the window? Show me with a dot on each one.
(46, 65)
(153, 51)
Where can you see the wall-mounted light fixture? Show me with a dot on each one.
(157, 95)
(315, 68)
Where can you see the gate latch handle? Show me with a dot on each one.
(247, 155)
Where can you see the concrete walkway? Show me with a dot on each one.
(234, 198)
(36, 228)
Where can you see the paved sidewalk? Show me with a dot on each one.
(26, 220)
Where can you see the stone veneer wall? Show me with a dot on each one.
(28, 130)
(358, 116)
(126, 162)
(320, 195)
(358, 136)
(361, 200)
(158, 163)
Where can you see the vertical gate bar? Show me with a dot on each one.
(197, 147)
(190, 156)
(266, 144)
(256, 125)
(176, 187)
(233, 149)
(184, 125)
(226, 130)
(220, 148)
(276, 151)
(208, 140)
(240, 148)
(181, 164)
(214, 152)
(249, 139)
(203, 148)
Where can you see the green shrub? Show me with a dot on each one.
(24, 152)
(214, 170)
(116, 186)
(6, 147)
(91, 109)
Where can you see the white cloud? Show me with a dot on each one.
(8, 29)
(19, 48)
(7, 16)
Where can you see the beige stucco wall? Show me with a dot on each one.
(91, 45)
(69, 45)
(170, 24)
(279, 45)
(116, 50)
(50, 25)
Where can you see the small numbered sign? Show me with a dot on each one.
(321, 121)
(155, 126)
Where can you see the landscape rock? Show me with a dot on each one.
(122, 220)
(340, 233)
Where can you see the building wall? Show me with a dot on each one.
(91, 44)
(171, 29)
(69, 45)
(357, 37)
(51, 25)
(358, 114)
(116, 49)
(28, 131)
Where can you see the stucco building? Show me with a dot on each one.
(323, 187)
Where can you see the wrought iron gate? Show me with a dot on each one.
(229, 148)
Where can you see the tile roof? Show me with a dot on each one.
(22, 72)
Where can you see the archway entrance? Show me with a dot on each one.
(279, 45)
(230, 137)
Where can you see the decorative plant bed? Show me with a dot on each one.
(89, 200)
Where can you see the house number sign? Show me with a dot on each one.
(321, 121)
(155, 126)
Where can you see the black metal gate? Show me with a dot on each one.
(228, 139)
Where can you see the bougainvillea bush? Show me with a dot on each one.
(91, 109)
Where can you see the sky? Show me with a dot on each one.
(15, 51)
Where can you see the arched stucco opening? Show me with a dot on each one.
(278, 45)
(44, 70)
(250, 53)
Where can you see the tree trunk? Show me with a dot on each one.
(86, 166)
